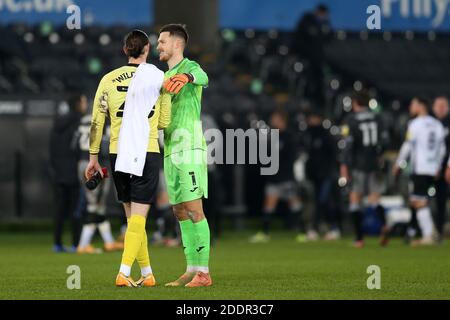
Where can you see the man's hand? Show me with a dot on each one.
(344, 173)
(93, 167)
(395, 170)
(176, 83)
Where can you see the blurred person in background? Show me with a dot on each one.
(92, 203)
(361, 166)
(310, 36)
(282, 185)
(441, 112)
(424, 148)
(64, 170)
(321, 171)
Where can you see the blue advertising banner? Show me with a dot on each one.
(396, 15)
(106, 12)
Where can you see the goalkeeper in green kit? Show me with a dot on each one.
(185, 166)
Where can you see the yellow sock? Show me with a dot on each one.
(143, 257)
(133, 239)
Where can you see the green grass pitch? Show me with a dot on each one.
(281, 269)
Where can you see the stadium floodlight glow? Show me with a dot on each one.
(256, 86)
(273, 34)
(28, 37)
(347, 102)
(45, 28)
(432, 191)
(78, 39)
(250, 33)
(403, 164)
(431, 35)
(53, 38)
(373, 104)
(342, 182)
(283, 50)
(387, 36)
(334, 84)
(303, 125)
(253, 124)
(153, 38)
(228, 35)
(341, 35)
(358, 85)
(228, 118)
(104, 39)
(396, 105)
(94, 65)
(260, 50)
(261, 124)
(334, 130)
(326, 124)
(409, 35)
(298, 67)
(364, 35)
(342, 144)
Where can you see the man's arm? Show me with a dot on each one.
(200, 76)
(165, 105)
(99, 112)
(194, 75)
(346, 154)
(404, 153)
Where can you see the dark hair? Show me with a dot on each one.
(176, 29)
(134, 43)
(423, 101)
(74, 101)
(361, 98)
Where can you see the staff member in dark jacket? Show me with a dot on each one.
(311, 34)
(64, 168)
(321, 169)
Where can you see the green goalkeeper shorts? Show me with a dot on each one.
(186, 174)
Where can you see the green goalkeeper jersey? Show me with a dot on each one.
(185, 129)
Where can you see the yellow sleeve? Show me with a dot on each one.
(99, 114)
(345, 130)
(409, 135)
(165, 105)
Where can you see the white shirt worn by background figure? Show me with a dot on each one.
(424, 146)
(143, 92)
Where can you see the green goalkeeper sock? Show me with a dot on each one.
(202, 245)
(188, 239)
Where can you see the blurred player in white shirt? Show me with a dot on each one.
(424, 148)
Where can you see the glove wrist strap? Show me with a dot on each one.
(190, 77)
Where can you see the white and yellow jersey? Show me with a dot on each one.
(113, 87)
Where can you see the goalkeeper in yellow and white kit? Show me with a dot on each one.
(137, 193)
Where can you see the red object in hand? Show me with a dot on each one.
(105, 172)
(95, 180)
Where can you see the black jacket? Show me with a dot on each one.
(321, 149)
(63, 153)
